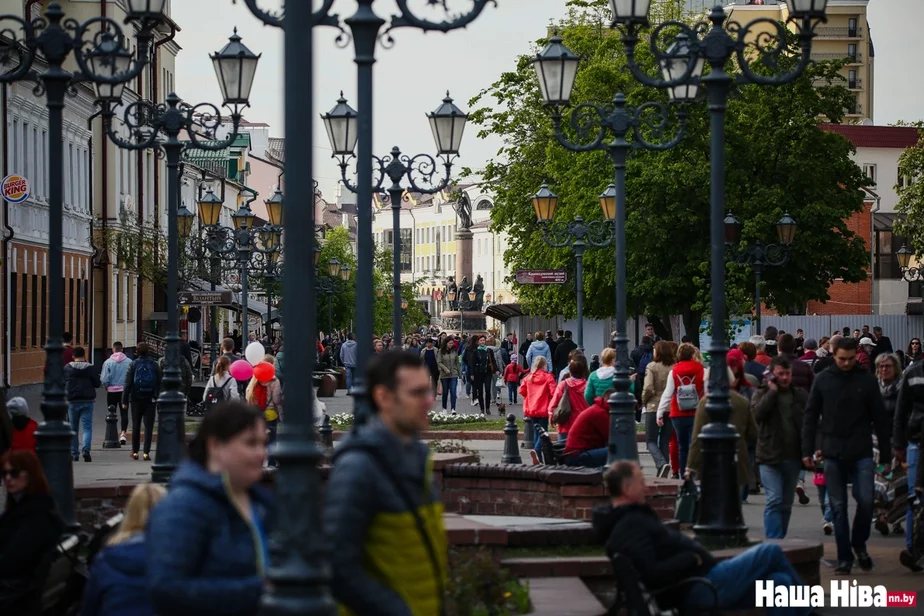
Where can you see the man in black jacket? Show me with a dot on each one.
(81, 383)
(561, 352)
(524, 347)
(907, 437)
(663, 556)
(847, 400)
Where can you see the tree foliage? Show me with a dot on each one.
(778, 161)
(911, 195)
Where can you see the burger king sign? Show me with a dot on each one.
(15, 188)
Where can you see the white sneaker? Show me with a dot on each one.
(122, 439)
(828, 528)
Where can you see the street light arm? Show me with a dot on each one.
(209, 122)
(768, 48)
(654, 118)
(453, 21)
(770, 255)
(424, 166)
(379, 167)
(658, 39)
(135, 117)
(585, 120)
(107, 32)
(24, 46)
(594, 233)
(276, 19)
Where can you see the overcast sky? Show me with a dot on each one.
(412, 78)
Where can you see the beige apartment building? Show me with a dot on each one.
(846, 35)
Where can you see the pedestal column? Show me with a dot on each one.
(464, 255)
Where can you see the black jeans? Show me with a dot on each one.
(658, 439)
(434, 378)
(481, 390)
(115, 398)
(142, 410)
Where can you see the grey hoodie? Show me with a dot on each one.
(537, 348)
(348, 353)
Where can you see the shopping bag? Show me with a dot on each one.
(687, 508)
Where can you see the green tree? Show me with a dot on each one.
(342, 303)
(911, 195)
(778, 161)
(414, 317)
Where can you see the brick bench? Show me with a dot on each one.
(557, 596)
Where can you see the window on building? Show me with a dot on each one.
(886, 264)
(852, 27)
(45, 161)
(852, 79)
(869, 170)
(14, 155)
(119, 296)
(24, 318)
(70, 305)
(130, 310)
(44, 321)
(904, 181)
(35, 338)
(852, 51)
(407, 250)
(14, 280)
(26, 151)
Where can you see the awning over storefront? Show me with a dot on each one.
(885, 221)
(503, 312)
(253, 307)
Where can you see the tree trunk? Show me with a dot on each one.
(662, 327)
(691, 323)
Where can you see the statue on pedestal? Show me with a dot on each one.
(462, 296)
(451, 288)
(479, 293)
(464, 210)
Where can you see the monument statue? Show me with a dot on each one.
(479, 293)
(462, 295)
(451, 288)
(463, 209)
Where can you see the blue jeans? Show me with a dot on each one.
(512, 392)
(349, 378)
(838, 473)
(81, 416)
(825, 504)
(913, 457)
(449, 392)
(539, 422)
(780, 483)
(735, 579)
(593, 458)
(683, 426)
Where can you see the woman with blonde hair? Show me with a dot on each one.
(658, 437)
(221, 385)
(118, 578)
(681, 396)
(537, 389)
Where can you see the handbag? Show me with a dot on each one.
(687, 508)
(562, 412)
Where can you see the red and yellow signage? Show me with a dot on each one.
(15, 188)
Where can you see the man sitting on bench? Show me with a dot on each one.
(663, 557)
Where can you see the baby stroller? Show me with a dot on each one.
(891, 497)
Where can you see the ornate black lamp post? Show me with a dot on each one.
(556, 69)
(910, 274)
(98, 46)
(682, 63)
(447, 123)
(577, 235)
(759, 255)
(158, 127)
(298, 574)
(331, 284)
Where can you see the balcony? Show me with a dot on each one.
(855, 84)
(836, 33)
(856, 110)
(856, 58)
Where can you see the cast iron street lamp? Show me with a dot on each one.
(330, 285)
(158, 127)
(556, 69)
(298, 574)
(682, 63)
(447, 123)
(759, 255)
(910, 274)
(99, 51)
(466, 302)
(577, 235)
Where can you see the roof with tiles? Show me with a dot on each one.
(876, 136)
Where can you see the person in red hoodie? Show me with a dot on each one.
(684, 389)
(512, 375)
(590, 434)
(575, 386)
(537, 389)
(24, 427)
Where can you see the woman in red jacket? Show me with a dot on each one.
(684, 389)
(590, 434)
(24, 427)
(537, 389)
(575, 386)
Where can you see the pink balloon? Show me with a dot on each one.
(241, 370)
(264, 372)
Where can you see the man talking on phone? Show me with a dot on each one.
(843, 403)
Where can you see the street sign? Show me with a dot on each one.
(210, 298)
(542, 276)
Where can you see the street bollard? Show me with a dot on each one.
(529, 436)
(326, 432)
(112, 430)
(511, 447)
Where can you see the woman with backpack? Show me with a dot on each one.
(537, 389)
(568, 401)
(142, 384)
(685, 387)
(221, 385)
(658, 436)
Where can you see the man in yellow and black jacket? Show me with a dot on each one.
(383, 517)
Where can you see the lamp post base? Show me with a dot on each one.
(721, 522)
(622, 443)
(171, 435)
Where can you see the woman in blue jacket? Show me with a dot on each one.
(207, 548)
(118, 581)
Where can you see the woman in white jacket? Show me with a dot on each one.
(221, 386)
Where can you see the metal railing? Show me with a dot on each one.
(833, 32)
(854, 58)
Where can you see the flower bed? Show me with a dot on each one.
(437, 419)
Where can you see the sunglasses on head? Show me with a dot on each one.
(12, 473)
